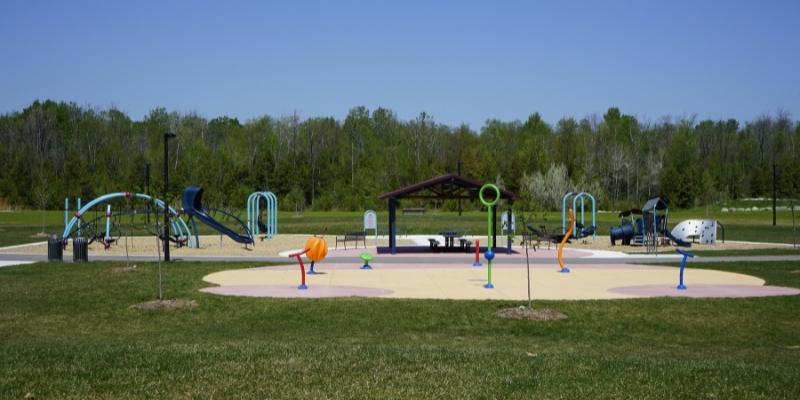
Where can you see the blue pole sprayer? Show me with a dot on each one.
(108, 223)
(79, 212)
(66, 211)
(685, 255)
(489, 254)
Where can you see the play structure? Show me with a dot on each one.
(579, 229)
(704, 231)
(655, 214)
(81, 226)
(193, 208)
(564, 240)
(142, 213)
(255, 218)
(648, 227)
(631, 229)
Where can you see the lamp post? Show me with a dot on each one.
(774, 193)
(167, 137)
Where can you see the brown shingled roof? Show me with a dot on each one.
(450, 186)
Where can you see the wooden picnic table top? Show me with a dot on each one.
(451, 233)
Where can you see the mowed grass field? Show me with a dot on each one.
(22, 226)
(68, 332)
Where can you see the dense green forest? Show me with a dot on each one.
(51, 150)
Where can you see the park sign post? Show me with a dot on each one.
(371, 222)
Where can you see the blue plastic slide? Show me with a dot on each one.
(193, 207)
(677, 241)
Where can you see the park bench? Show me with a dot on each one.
(417, 211)
(534, 237)
(351, 237)
(434, 243)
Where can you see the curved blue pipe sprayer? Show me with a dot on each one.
(179, 227)
(254, 210)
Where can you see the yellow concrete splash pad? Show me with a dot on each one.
(464, 282)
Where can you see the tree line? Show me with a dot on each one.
(52, 150)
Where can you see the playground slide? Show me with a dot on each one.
(193, 207)
(677, 241)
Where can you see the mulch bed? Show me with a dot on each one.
(531, 314)
(166, 305)
(124, 270)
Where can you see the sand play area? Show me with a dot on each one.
(429, 277)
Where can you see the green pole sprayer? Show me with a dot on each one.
(489, 254)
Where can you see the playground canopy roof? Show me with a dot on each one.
(656, 203)
(450, 186)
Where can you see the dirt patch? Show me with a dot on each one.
(166, 305)
(532, 314)
(125, 270)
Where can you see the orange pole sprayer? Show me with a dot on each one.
(302, 268)
(564, 241)
(477, 262)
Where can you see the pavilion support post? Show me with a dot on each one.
(510, 233)
(494, 228)
(392, 225)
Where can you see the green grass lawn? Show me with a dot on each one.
(68, 333)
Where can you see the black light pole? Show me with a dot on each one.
(459, 199)
(167, 136)
(774, 193)
(146, 190)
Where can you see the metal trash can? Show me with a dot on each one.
(55, 249)
(80, 249)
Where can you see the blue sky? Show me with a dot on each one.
(458, 61)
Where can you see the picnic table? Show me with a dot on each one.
(449, 241)
(449, 238)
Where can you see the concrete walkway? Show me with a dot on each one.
(448, 258)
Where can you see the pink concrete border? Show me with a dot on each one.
(706, 290)
(285, 291)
